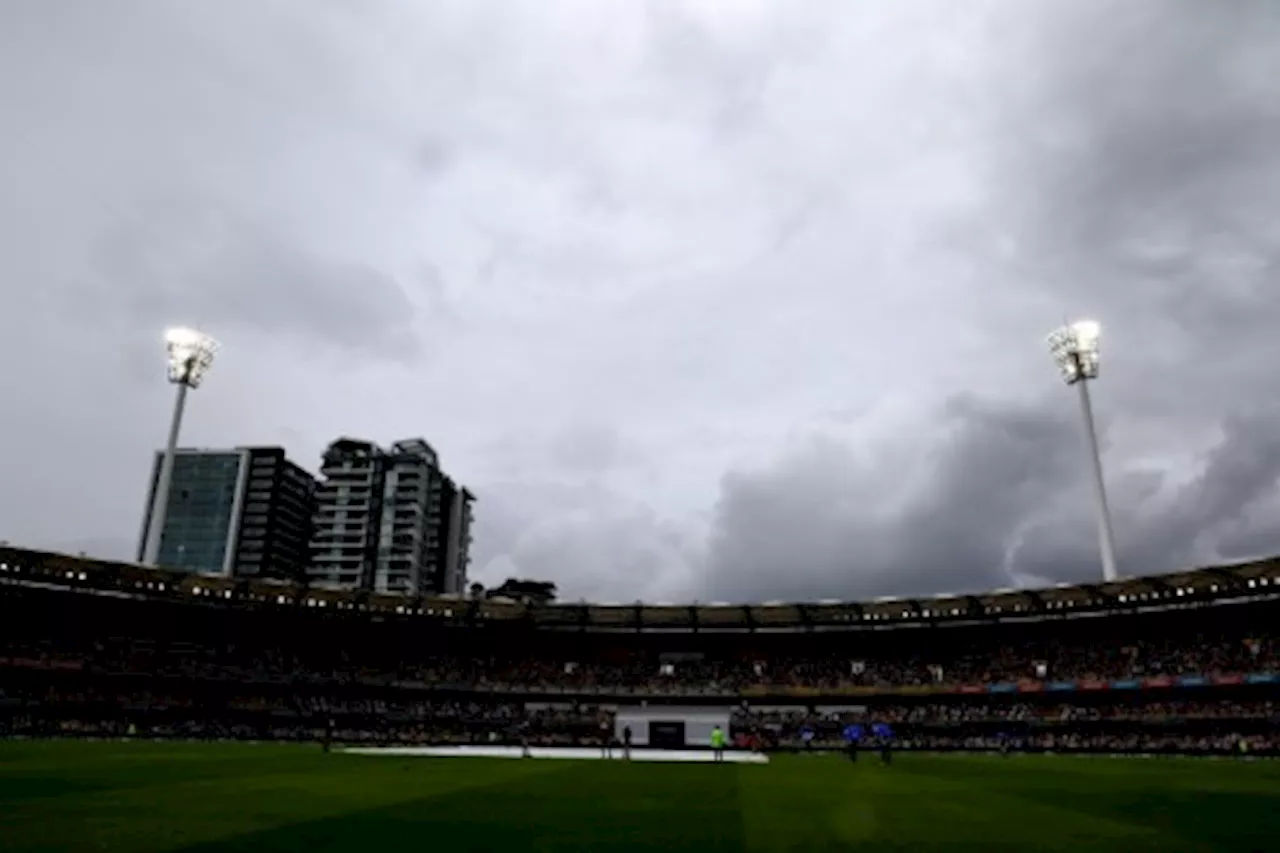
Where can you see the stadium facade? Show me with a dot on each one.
(242, 512)
(1187, 662)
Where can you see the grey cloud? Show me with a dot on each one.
(595, 543)
(1003, 500)
(1135, 179)
(591, 448)
(1252, 534)
(723, 79)
(644, 226)
(940, 515)
(1140, 172)
(1213, 517)
(1226, 512)
(225, 272)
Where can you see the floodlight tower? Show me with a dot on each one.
(1075, 350)
(190, 356)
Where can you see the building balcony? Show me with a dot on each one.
(355, 538)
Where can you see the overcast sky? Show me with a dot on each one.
(705, 300)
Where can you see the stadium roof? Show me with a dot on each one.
(1193, 587)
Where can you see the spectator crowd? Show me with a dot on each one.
(749, 673)
(210, 673)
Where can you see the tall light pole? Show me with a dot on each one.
(190, 356)
(1075, 350)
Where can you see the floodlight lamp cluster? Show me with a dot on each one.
(190, 355)
(1074, 348)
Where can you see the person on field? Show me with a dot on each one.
(525, 751)
(626, 742)
(885, 734)
(807, 734)
(717, 744)
(606, 740)
(852, 734)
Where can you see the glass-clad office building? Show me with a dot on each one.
(245, 511)
(201, 522)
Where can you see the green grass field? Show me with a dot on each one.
(217, 797)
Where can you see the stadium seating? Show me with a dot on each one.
(98, 651)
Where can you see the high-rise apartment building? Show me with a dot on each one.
(456, 555)
(390, 520)
(245, 512)
(348, 504)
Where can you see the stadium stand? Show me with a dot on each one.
(1187, 662)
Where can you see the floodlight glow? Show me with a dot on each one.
(1075, 349)
(190, 355)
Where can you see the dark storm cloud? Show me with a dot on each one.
(1141, 175)
(646, 243)
(1003, 500)
(1226, 512)
(1150, 173)
(831, 519)
(1149, 176)
(1213, 516)
(1136, 170)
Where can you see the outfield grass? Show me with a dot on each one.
(220, 797)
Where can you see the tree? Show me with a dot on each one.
(525, 591)
(477, 590)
